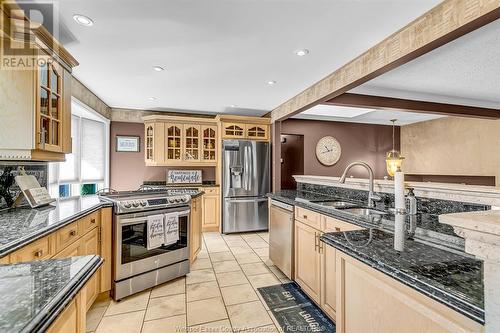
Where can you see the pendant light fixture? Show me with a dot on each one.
(393, 158)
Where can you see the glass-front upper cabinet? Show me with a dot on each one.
(173, 142)
(191, 142)
(258, 132)
(233, 130)
(49, 107)
(209, 145)
(149, 142)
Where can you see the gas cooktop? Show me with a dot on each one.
(147, 199)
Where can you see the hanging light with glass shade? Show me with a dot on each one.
(393, 158)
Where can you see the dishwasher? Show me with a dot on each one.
(281, 236)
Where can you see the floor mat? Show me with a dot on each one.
(294, 311)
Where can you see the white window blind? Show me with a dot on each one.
(69, 170)
(93, 156)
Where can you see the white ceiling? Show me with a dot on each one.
(221, 52)
(365, 116)
(465, 71)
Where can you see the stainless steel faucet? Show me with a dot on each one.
(372, 197)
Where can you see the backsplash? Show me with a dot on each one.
(37, 169)
(424, 205)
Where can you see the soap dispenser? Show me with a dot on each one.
(411, 202)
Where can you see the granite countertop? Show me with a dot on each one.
(33, 294)
(431, 261)
(425, 226)
(20, 226)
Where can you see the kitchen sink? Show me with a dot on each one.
(364, 211)
(337, 204)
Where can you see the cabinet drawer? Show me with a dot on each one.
(210, 190)
(308, 217)
(331, 224)
(38, 250)
(67, 236)
(89, 222)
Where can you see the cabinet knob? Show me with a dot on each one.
(304, 216)
(92, 221)
(72, 232)
(38, 253)
(337, 229)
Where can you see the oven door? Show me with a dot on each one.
(131, 254)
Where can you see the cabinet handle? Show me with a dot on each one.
(92, 221)
(337, 229)
(304, 216)
(38, 253)
(72, 233)
(316, 239)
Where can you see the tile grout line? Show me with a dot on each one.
(220, 291)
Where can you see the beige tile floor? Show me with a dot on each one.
(219, 295)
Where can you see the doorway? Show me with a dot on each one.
(292, 159)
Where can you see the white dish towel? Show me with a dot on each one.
(156, 232)
(171, 228)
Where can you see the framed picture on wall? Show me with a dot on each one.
(128, 144)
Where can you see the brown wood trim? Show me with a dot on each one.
(390, 103)
(445, 22)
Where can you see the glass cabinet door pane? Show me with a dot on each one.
(44, 75)
(44, 130)
(44, 101)
(54, 107)
(54, 81)
(55, 133)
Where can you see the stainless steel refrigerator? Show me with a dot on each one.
(245, 182)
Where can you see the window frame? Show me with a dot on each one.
(54, 181)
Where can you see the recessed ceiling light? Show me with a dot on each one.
(233, 105)
(158, 68)
(271, 83)
(152, 98)
(83, 20)
(301, 52)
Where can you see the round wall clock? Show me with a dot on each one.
(328, 150)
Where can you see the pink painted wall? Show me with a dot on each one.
(128, 170)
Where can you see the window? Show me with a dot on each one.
(85, 170)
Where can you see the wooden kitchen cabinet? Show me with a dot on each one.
(242, 127)
(370, 301)
(308, 260)
(195, 228)
(67, 321)
(35, 122)
(211, 209)
(315, 262)
(90, 245)
(43, 248)
(180, 141)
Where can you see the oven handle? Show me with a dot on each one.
(138, 220)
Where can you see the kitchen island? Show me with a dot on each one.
(45, 295)
(428, 262)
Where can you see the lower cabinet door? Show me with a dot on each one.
(195, 228)
(328, 281)
(307, 260)
(89, 246)
(67, 321)
(210, 212)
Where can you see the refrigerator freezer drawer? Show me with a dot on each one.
(245, 214)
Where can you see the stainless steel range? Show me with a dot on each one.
(136, 268)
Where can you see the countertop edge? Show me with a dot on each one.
(464, 308)
(48, 315)
(21, 242)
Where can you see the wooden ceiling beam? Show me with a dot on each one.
(398, 104)
(445, 22)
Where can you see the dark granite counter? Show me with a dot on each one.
(20, 226)
(33, 294)
(432, 259)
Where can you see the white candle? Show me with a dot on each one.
(399, 190)
(399, 232)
